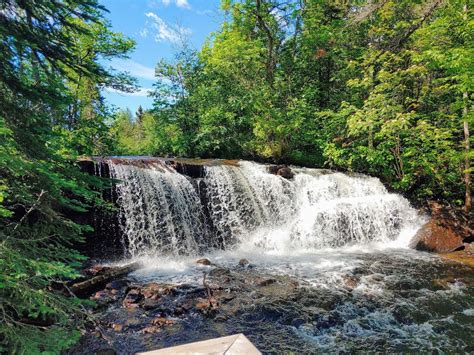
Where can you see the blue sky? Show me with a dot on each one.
(156, 26)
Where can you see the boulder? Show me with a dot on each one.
(281, 170)
(285, 173)
(446, 231)
(273, 169)
(204, 261)
(243, 262)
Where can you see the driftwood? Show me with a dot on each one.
(87, 287)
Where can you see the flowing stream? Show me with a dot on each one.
(242, 207)
(343, 238)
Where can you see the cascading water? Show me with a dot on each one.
(160, 210)
(163, 211)
(315, 264)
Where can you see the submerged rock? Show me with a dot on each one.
(220, 271)
(149, 304)
(265, 281)
(117, 327)
(132, 299)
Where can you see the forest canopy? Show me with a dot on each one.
(377, 87)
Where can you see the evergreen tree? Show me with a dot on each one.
(48, 105)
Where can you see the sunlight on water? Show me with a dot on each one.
(163, 212)
(343, 239)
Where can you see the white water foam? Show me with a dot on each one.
(162, 212)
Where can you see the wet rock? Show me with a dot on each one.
(162, 321)
(264, 281)
(103, 297)
(204, 261)
(273, 169)
(132, 321)
(117, 327)
(151, 330)
(154, 290)
(243, 262)
(218, 272)
(116, 285)
(444, 232)
(191, 168)
(448, 282)
(463, 256)
(132, 299)
(221, 318)
(149, 304)
(281, 170)
(226, 297)
(178, 311)
(285, 173)
(350, 281)
(203, 304)
(100, 295)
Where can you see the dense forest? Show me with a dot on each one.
(372, 86)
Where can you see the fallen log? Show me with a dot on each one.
(96, 283)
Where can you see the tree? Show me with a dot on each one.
(48, 91)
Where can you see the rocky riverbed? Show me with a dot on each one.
(385, 302)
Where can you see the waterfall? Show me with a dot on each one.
(163, 212)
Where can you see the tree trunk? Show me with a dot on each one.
(89, 286)
(467, 158)
(270, 60)
(467, 146)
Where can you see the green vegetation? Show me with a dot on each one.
(379, 87)
(51, 110)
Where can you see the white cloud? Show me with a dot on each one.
(156, 4)
(134, 68)
(142, 92)
(164, 31)
(182, 3)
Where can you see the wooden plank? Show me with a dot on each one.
(229, 345)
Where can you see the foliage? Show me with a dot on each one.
(50, 111)
(380, 87)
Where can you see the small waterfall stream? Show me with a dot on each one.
(315, 264)
(166, 213)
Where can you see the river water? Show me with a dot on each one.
(337, 247)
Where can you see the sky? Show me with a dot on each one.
(156, 26)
